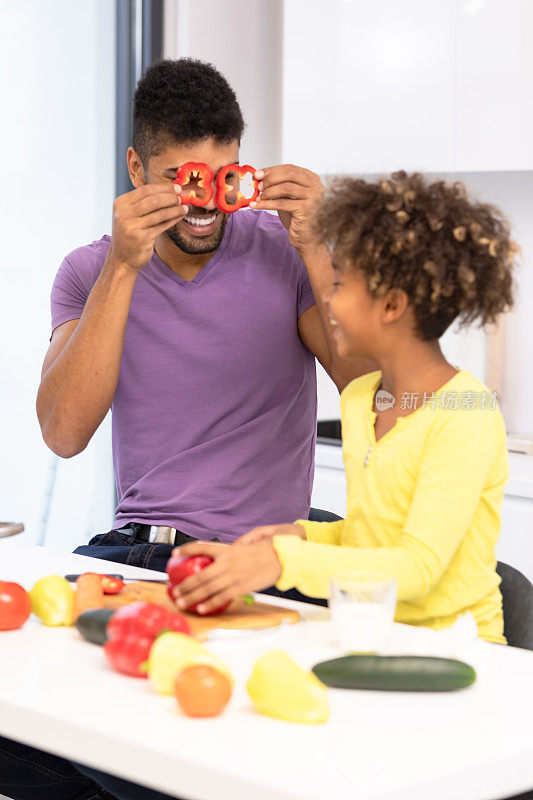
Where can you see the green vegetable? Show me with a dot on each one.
(395, 673)
(248, 599)
(92, 624)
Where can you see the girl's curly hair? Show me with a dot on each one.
(453, 257)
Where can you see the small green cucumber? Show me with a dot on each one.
(395, 673)
(92, 624)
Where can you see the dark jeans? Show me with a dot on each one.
(30, 774)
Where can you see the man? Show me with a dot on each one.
(199, 329)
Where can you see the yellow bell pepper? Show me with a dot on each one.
(171, 653)
(52, 600)
(279, 687)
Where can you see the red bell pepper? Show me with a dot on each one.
(127, 653)
(109, 585)
(132, 630)
(145, 619)
(223, 188)
(180, 568)
(203, 175)
(112, 585)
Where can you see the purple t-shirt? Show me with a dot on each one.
(214, 415)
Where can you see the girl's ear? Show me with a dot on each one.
(395, 303)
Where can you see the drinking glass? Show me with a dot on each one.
(362, 606)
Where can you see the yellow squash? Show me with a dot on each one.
(52, 600)
(171, 653)
(279, 687)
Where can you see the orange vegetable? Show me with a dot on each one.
(89, 594)
(202, 691)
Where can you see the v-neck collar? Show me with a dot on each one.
(201, 275)
(399, 420)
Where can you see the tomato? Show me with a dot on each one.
(180, 568)
(145, 619)
(15, 606)
(202, 691)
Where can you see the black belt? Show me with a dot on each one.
(160, 534)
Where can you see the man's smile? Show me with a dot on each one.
(200, 225)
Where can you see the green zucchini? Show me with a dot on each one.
(395, 673)
(92, 624)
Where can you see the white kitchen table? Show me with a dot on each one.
(57, 693)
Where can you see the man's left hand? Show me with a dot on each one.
(293, 192)
(236, 570)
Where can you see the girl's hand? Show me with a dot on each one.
(268, 531)
(235, 571)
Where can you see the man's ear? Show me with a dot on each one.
(135, 168)
(395, 303)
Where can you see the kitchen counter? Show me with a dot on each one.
(57, 693)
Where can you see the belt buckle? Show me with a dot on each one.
(161, 534)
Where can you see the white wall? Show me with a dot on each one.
(243, 39)
(57, 145)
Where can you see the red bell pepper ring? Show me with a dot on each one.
(203, 174)
(222, 188)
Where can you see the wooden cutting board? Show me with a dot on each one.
(237, 616)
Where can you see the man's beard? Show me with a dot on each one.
(207, 244)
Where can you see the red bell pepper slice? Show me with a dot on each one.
(203, 175)
(223, 188)
(110, 585)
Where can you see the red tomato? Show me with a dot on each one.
(127, 653)
(180, 568)
(145, 619)
(15, 606)
(202, 691)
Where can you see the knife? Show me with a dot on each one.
(74, 578)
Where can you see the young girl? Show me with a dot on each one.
(424, 443)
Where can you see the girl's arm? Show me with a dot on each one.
(460, 453)
(323, 532)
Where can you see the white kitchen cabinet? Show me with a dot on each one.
(515, 546)
(370, 87)
(494, 68)
(439, 86)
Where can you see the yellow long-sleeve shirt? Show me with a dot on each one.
(425, 508)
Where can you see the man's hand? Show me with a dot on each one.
(236, 570)
(268, 531)
(293, 192)
(139, 217)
